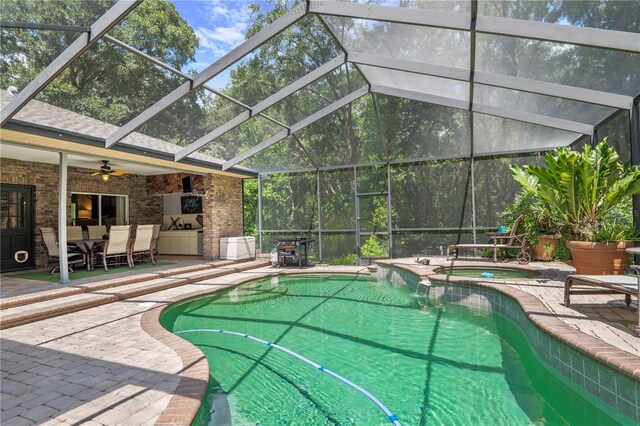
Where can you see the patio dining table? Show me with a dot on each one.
(87, 247)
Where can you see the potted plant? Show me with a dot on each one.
(580, 189)
(543, 228)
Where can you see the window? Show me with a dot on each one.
(99, 209)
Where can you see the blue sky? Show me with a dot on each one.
(220, 25)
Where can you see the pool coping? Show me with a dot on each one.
(185, 403)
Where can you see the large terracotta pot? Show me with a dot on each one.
(546, 247)
(599, 258)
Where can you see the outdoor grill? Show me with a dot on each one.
(293, 251)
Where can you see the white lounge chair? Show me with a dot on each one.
(608, 284)
(142, 246)
(117, 246)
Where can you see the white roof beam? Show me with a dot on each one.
(297, 127)
(558, 33)
(99, 28)
(496, 80)
(211, 71)
(523, 116)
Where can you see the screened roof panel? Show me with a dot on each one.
(604, 14)
(590, 68)
(85, 88)
(26, 53)
(245, 136)
(278, 63)
(539, 104)
(78, 13)
(417, 130)
(416, 82)
(422, 44)
(284, 155)
(188, 119)
(493, 135)
(347, 136)
(317, 95)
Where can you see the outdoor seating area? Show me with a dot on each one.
(120, 244)
(436, 200)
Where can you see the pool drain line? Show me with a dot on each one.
(392, 417)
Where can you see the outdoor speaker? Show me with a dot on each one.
(187, 184)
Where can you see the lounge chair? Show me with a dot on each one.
(96, 232)
(609, 284)
(155, 237)
(117, 246)
(142, 246)
(50, 244)
(500, 242)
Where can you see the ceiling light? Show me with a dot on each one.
(105, 178)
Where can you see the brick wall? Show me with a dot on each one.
(143, 208)
(222, 206)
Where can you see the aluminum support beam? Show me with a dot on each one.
(210, 72)
(319, 202)
(257, 109)
(421, 97)
(556, 90)
(528, 117)
(107, 21)
(496, 80)
(558, 33)
(297, 127)
(62, 220)
(400, 15)
(44, 27)
(260, 212)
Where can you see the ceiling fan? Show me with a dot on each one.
(105, 171)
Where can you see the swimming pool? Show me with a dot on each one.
(440, 364)
(482, 272)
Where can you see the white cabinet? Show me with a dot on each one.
(236, 248)
(186, 242)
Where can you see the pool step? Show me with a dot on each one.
(102, 293)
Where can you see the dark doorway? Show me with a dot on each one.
(16, 227)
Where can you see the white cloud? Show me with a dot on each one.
(228, 23)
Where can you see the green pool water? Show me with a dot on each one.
(439, 365)
(500, 273)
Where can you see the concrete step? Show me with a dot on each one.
(60, 303)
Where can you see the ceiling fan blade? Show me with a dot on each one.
(119, 172)
(96, 173)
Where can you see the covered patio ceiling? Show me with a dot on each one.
(450, 55)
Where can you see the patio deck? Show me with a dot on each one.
(101, 365)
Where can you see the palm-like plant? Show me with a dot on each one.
(580, 188)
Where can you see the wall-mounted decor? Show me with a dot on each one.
(191, 204)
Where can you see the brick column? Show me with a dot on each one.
(222, 207)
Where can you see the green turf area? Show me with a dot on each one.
(83, 273)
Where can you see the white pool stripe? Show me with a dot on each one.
(392, 417)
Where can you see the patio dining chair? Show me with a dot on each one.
(52, 250)
(117, 247)
(155, 237)
(142, 246)
(96, 232)
(74, 233)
